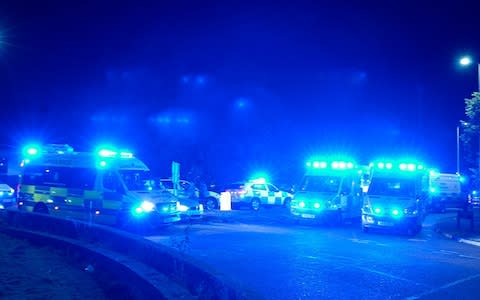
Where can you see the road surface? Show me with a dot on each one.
(281, 260)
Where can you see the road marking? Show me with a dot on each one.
(417, 240)
(359, 241)
(468, 256)
(389, 275)
(470, 242)
(448, 252)
(443, 287)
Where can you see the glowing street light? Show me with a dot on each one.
(466, 61)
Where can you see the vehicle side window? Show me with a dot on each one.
(272, 188)
(346, 185)
(111, 181)
(78, 178)
(259, 187)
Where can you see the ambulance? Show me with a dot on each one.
(396, 198)
(106, 187)
(445, 191)
(330, 191)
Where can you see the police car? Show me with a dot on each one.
(255, 193)
(7, 196)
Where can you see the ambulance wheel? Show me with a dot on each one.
(365, 229)
(40, 208)
(255, 204)
(211, 203)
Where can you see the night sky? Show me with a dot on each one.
(238, 86)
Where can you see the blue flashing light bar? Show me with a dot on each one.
(126, 155)
(112, 153)
(31, 150)
(339, 165)
(260, 180)
(401, 166)
(107, 153)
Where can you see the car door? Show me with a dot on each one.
(275, 196)
(113, 191)
(260, 191)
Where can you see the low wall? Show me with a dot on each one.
(200, 280)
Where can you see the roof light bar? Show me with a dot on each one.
(341, 165)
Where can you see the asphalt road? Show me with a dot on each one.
(280, 260)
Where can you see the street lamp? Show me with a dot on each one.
(467, 61)
(461, 124)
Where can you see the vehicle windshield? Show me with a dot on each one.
(328, 184)
(137, 180)
(404, 187)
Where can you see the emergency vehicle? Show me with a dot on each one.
(330, 190)
(210, 200)
(107, 187)
(187, 194)
(257, 192)
(7, 196)
(396, 197)
(445, 191)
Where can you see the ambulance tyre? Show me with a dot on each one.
(255, 204)
(40, 208)
(211, 203)
(365, 229)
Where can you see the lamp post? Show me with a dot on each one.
(467, 61)
(460, 124)
(458, 149)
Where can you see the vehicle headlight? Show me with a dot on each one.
(301, 204)
(147, 206)
(396, 212)
(182, 208)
